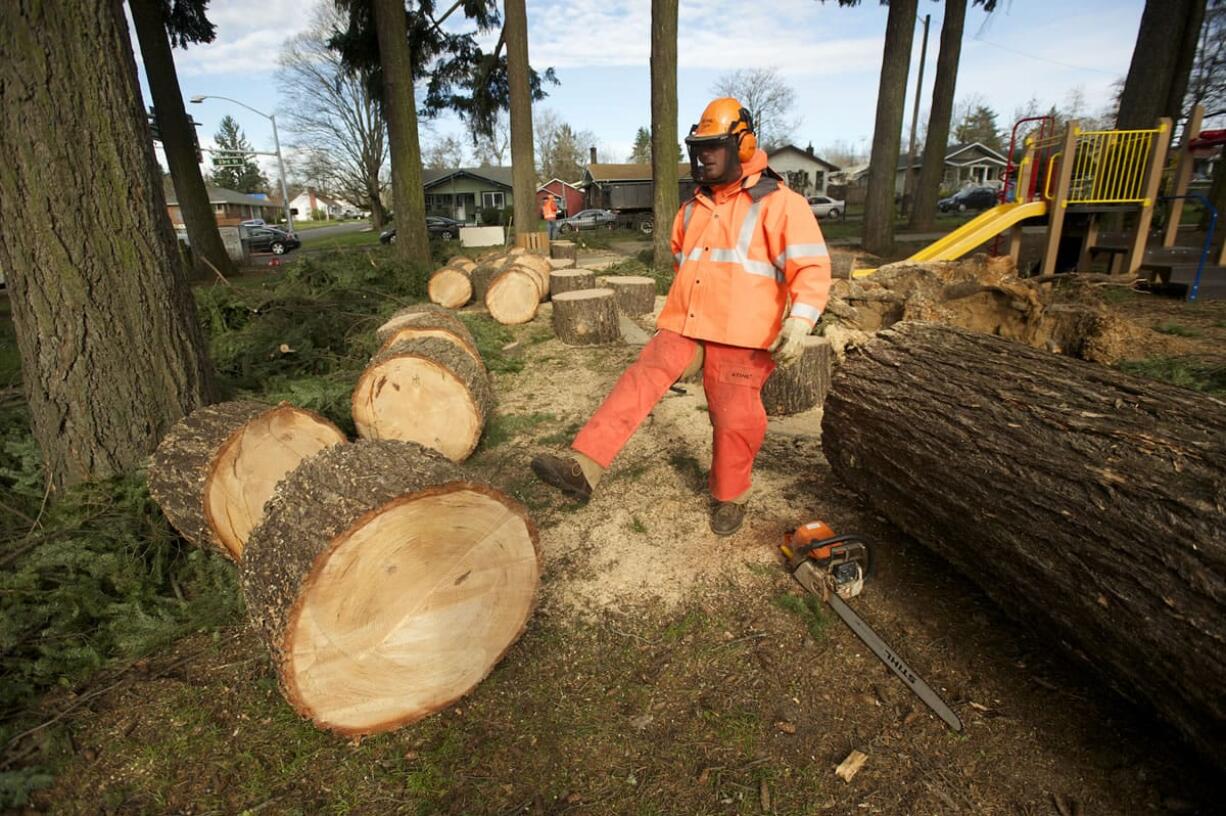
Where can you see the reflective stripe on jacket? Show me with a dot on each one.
(741, 254)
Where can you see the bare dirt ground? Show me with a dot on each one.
(666, 671)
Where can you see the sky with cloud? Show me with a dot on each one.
(830, 56)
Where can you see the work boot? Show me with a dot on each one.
(726, 517)
(563, 473)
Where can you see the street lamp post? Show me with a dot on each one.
(289, 218)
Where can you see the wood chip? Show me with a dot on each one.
(912, 715)
(851, 766)
(786, 727)
(764, 796)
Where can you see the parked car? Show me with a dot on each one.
(972, 198)
(253, 222)
(826, 207)
(588, 219)
(436, 225)
(270, 239)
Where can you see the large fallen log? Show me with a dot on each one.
(214, 470)
(1088, 503)
(386, 584)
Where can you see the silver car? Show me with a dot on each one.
(825, 206)
(589, 219)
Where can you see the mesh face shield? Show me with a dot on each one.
(728, 143)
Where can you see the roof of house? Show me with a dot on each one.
(559, 181)
(217, 195)
(628, 172)
(497, 175)
(804, 154)
(954, 150)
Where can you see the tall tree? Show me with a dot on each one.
(932, 168)
(518, 74)
(491, 148)
(186, 23)
(1161, 61)
(111, 351)
(641, 152)
(245, 176)
(412, 240)
(446, 153)
(560, 151)
(1207, 86)
(768, 99)
(978, 124)
(332, 114)
(663, 128)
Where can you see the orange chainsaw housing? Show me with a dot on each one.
(813, 531)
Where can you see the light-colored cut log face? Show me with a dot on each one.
(411, 332)
(250, 464)
(416, 400)
(409, 611)
(513, 297)
(450, 288)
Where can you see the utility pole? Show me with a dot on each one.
(908, 187)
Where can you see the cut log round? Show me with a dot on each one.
(1088, 503)
(450, 287)
(802, 385)
(562, 263)
(568, 280)
(215, 469)
(387, 584)
(564, 249)
(635, 294)
(461, 262)
(513, 296)
(407, 315)
(586, 317)
(484, 272)
(539, 268)
(442, 324)
(427, 391)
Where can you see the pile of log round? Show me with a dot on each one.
(386, 584)
(1088, 503)
(586, 317)
(418, 322)
(635, 294)
(214, 470)
(802, 385)
(568, 280)
(427, 390)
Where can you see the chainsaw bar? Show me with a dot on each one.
(809, 577)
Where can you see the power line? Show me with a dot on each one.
(1045, 59)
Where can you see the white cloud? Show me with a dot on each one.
(248, 39)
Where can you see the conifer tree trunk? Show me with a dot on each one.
(412, 241)
(932, 170)
(178, 141)
(1161, 61)
(887, 132)
(664, 127)
(111, 351)
(523, 166)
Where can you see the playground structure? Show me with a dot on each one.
(1074, 179)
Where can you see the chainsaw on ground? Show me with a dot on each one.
(834, 568)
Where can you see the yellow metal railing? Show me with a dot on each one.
(1110, 166)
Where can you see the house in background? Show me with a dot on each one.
(463, 193)
(568, 196)
(972, 164)
(310, 204)
(229, 207)
(805, 172)
(627, 187)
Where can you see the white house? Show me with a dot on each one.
(965, 165)
(805, 172)
(309, 204)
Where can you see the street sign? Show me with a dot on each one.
(228, 161)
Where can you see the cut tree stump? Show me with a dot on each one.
(214, 470)
(513, 295)
(568, 280)
(1088, 503)
(484, 272)
(586, 317)
(386, 584)
(450, 287)
(564, 249)
(802, 385)
(427, 391)
(635, 294)
(562, 263)
(442, 324)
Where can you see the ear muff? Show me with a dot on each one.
(747, 142)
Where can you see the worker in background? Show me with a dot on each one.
(550, 212)
(751, 277)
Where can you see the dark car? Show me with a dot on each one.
(436, 225)
(972, 198)
(589, 219)
(270, 239)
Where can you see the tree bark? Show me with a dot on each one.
(887, 132)
(566, 250)
(179, 141)
(802, 385)
(932, 169)
(523, 166)
(1088, 503)
(386, 583)
(1158, 74)
(111, 350)
(663, 129)
(1217, 195)
(417, 325)
(570, 280)
(586, 317)
(635, 294)
(412, 241)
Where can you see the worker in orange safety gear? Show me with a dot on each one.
(752, 275)
(550, 212)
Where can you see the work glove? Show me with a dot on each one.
(790, 343)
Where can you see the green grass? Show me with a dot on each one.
(346, 241)
(1185, 372)
(504, 427)
(1176, 329)
(636, 525)
(809, 609)
(307, 226)
(491, 338)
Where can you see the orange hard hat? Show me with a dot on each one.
(724, 119)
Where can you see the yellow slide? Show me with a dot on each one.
(974, 232)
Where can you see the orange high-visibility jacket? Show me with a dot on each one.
(550, 210)
(741, 254)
